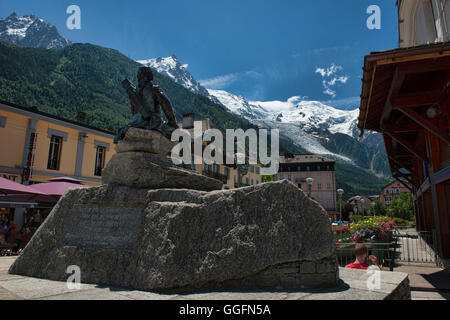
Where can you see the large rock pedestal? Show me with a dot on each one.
(265, 237)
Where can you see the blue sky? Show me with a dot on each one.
(263, 50)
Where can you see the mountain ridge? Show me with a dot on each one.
(31, 31)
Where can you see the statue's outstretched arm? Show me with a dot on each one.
(135, 104)
(167, 107)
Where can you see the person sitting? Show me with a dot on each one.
(362, 254)
(2, 237)
(13, 235)
(26, 237)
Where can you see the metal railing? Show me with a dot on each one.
(416, 246)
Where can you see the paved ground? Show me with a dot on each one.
(427, 281)
(354, 287)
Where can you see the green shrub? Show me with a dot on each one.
(356, 218)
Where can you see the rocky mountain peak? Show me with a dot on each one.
(31, 31)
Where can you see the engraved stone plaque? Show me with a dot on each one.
(99, 227)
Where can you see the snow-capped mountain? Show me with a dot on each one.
(311, 125)
(238, 105)
(309, 115)
(31, 31)
(172, 68)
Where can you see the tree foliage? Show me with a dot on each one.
(377, 209)
(403, 207)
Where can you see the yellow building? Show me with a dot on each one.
(37, 146)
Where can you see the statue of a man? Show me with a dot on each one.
(146, 102)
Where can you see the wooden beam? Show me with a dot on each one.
(406, 127)
(369, 101)
(405, 166)
(402, 182)
(418, 99)
(397, 81)
(407, 146)
(416, 57)
(426, 124)
(422, 66)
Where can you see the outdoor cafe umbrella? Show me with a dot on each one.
(57, 187)
(10, 188)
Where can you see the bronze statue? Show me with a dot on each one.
(146, 102)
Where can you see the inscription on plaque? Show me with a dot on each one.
(99, 227)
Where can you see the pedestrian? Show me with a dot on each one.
(362, 258)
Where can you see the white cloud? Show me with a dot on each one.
(331, 77)
(219, 82)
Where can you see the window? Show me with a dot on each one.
(425, 28)
(99, 160)
(319, 186)
(251, 169)
(330, 196)
(54, 154)
(227, 172)
(257, 170)
(328, 186)
(319, 196)
(447, 14)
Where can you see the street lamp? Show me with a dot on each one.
(340, 193)
(362, 206)
(357, 199)
(310, 181)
